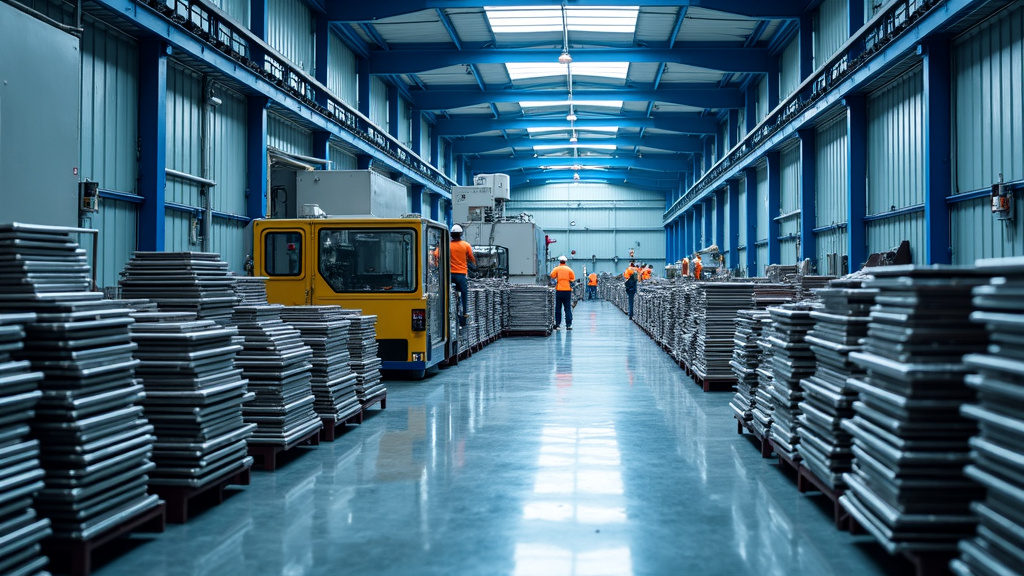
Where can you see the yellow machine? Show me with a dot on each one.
(394, 268)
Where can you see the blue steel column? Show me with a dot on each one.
(709, 152)
(256, 157)
(695, 228)
(152, 143)
(435, 151)
(856, 17)
(856, 187)
(774, 197)
(685, 219)
(938, 145)
(734, 223)
(258, 26)
(449, 164)
(416, 133)
(416, 195)
(807, 45)
(751, 174)
(321, 51)
(668, 242)
(321, 144)
(773, 83)
(720, 238)
(709, 232)
(680, 238)
(734, 127)
(394, 116)
(808, 217)
(435, 208)
(750, 115)
(363, 85)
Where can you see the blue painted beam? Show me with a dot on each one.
(484, 144)
(153, 54)
(808, 214)
(774, 199)
(698, 95)
(491, 165)
(695, 238)
(733, 243)
(856, 180)
(435, 208)
(724, 58)
(938, 181)
(687, 123)
(751, 208)
(416, 197)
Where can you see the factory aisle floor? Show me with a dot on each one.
(586, 453)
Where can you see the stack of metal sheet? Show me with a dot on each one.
(472, 328)
(745, 357)
(688, 347)
(362, 349)
(194, 397)
(531, 308)
(325, 329)
(715, 308)
(827, 449)
(761, 414)
(94, 446)
(277, 365)
(792, 361)
(805, 285)
(182, 282)
(766, 295)
(907, 487)
(997, 460)
(21, 529)
(251, 290)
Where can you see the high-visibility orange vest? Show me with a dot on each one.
(461, 253)
(565, 276)
(592, 279)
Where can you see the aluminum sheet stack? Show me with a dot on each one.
(21, 529)
(94, 445)
(277, 364)
(194, 397)
(805, 285)
(766, 295)
(745, 358)
(362, 349)
(196, 282)
(325, 330)
(688, 346)
(715, 308)
(531, 308)
(251, 290)
(997, 460)
(825, 448)
(761, 415)
(907, 487)
(792, 361)
(471, 330)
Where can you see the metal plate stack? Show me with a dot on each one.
(717, 304)
(997, 460)
(194, 397)
(276, 363)
(827, 449)
(745, 357)
(766, 295)
(806, 285)
(251, 290)
(531, 308)
(196, 282)
(792, 361)
(689, 326)
(362, 349)
(763, 405)
(907, 487)
(325, 330)
(472, 328)
(94, 446)
(21, 529)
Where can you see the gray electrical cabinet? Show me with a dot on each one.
(351, 193)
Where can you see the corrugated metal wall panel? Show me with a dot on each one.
(831, 156)
(762, 100)
(228, 145)
(883, 235)
(977, 234)
(833, 16)
(762, 203)
(405, 122)
(789, 69)
(896, 145)
(743, 213)
(830, 242)
(288, 137)
(342, 160)
(425, 129)
(762, 260)
(237, 9)
(117, 223)
(379, 103)
(789, 202)
(110, 115)
(342, 79)
(184, 117)
(290, 31)
(742, 259)
(989, 103)
(227, 238)
(178, 231)
(723, 135)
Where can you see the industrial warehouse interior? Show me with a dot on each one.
(523, 287)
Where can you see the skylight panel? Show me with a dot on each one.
(615, 70)
(542, 147)
(543, 130)
(523, 71)
(619, 19)
(565, 103)
(517, 20)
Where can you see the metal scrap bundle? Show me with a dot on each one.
(791, 362)
(196, 282)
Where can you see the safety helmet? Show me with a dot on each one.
(456, 229)
(562, 258)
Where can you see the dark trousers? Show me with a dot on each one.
(591, 292)
(631, 295)
(563, 299)
(462, 285)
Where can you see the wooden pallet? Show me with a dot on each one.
(69, 556)
(177, 498)
(270, 452)
(784, 460)
(933, 563)
(806, 480)
(333, 428)
(760, 441)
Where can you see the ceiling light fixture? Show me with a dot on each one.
(571, 117)
(573, 139)
(576, 176)
(565, 58)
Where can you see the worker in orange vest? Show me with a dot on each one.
(684, 267)
(592, 286)
(645, 273)
(564, 277)
(460, 255)
(698, 267)
(632, 276)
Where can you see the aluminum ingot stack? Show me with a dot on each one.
(997, 460)
(196, 282)
(21, 529)
(745, 357)
(251, 290)
(907, 487)
(362, 349)
(194, 398)
(325, 329)
(761, 415)
(717, 304)
(277, 364)
(531, 308)
(825, 448)
(792, 361)
(94, 445)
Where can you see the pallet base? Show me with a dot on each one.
(784, 460)
(270, 452)
(807, 480)
(523, 333)
(763, 444)
(177, 498)
(75, 556)
(333, 428)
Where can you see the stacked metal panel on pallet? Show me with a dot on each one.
(716, 305)
(791, 362)
(362, 349)
(531, 308)
(745, 359)
(198, 282)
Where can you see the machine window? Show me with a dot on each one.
(283, 254)
(368, 260)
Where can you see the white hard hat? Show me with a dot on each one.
(562, 258)
(456, 229)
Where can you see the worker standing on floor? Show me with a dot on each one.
(460, 255)
(592, 286)
(632, 276)
(564, 277)
(684, 267)
(645, 272)
(698, 267)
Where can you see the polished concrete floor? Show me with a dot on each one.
(586, 453)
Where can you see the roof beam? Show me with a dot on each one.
(482, 145)
(682, 123)
(698, 95)
(726, 59)
(663, 165)
(616, 176)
